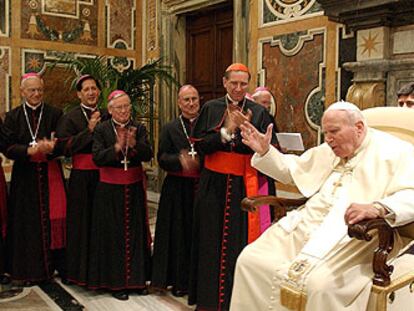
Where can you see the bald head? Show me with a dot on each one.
(31, 89)
(344, 128)
(188, 101)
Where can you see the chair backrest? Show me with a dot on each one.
(399, 122)
(393, 120)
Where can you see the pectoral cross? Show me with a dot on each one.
(192, 152)
(125, 163)
(33, 144)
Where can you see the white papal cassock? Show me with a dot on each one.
(307, 258)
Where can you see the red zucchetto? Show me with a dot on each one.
(237, 67)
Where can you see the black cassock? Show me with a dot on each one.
(120, 245)
(173, 234)
(216, 246)
(31, 234)
(75, 140)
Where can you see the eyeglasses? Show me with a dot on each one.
(122, 107)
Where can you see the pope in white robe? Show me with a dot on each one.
(307, 261)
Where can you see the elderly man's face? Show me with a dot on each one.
(406, 101)
(236, 85)
(120, 109)
(32, 90)
(264, 99)
(89, 93)
(189, 102)
(344, 138)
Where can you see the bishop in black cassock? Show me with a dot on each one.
(221, 228)
(37, 202)
(119, 256)
(75, 132)
(173, 233)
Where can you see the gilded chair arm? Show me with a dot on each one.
(362, 231)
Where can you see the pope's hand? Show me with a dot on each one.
(357, 212)
(258, 142)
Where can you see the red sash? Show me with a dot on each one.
(83, 161)
(57, 201)
(239, 165)
(119, 176)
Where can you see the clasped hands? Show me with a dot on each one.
(42, 146)
(188, 163)
(235, 118)
(126, 138)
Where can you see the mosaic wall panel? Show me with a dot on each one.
(56, 80)
(71, 21)
(277, 11)
(5, 72)
(151, 25)
(120, 24)
(4, 18)
(293, 68)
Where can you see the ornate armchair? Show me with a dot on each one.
(393, 284)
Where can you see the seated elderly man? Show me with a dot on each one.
(307, 258)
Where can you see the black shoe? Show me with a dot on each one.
(65, 281)
(120, 295)
(178, 293)
(143, 291)
(4, 279)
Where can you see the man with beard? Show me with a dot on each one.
(119, 257)
(37, 202)
(176, 155)
(75, 132)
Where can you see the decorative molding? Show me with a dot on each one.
(290, 44)
(274, 12)
(121, 63)
(5, 18)
(118, 36)
(341, 34)
(367, 94)
(184, 6)
(315, 101)
(5, 76)
(62, 8)
(150, 25)
(357, 14)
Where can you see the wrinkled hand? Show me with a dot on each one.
(94, 120)
(120, 141)
(131, 137)
(257, 141)
(44, 146)
(187, 162)
(235, 118)
(357, 212)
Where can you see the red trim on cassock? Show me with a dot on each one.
(119, 176)
(57, 200)
(83, 161)
(239, 165)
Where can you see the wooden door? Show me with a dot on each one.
(209, 50)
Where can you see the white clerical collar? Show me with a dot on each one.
(119, 123)
(92, 109)
(234, 102)
(31, 106)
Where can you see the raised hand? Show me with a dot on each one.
(94, 120)
(131, 137)
(257, 141)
